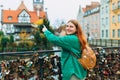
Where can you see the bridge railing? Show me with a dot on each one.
(105, 42)
(107, 66)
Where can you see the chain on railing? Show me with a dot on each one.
(41, 65)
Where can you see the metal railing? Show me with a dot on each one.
(105, 42)
(107, 66)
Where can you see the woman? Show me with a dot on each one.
(72, 43)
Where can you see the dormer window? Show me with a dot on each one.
(9, 17)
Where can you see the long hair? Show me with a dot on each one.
(80, 34)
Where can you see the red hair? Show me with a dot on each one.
(80, 34)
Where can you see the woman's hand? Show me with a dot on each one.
(44, 28)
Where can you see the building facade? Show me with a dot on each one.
(80, 17)
(105, 19)
(114, 19)
(92, 21)
(16, 21)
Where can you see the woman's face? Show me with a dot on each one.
(70, 28)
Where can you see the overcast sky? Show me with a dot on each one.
(57, 9)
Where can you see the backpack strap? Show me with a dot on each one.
(74, 55)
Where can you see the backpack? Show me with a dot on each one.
(88, 58)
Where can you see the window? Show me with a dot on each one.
(106, 33)
(102, 10)
(113, 6)
(24, 17)
(106, 9)
(102, 33)
(103, 20)
(106, 20)
(118, 33)
(8, 28)
(119, 18)
(113, 19)
(9, 17)
(39, 0)
(118, 4)
(113, 33)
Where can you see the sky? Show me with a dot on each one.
(56, 9)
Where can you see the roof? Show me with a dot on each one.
(15, 13)
(10, 13)
(22, 6)
(91, 6)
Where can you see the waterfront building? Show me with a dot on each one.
(80, 16)
(105, 19)
(114, 19)
(92, 21)
(20, 20)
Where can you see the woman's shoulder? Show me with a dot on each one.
(72, 36)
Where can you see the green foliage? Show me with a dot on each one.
(37, 37)
(4, 42)
(1, 33)
(11, 39)
(8, 44)
(40, 28)
(47, 24)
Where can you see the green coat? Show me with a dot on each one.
(70, 64)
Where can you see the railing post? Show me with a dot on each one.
(111, 42)
(105, 42)
(96, 42)
(100, 42)
(118, 43)
(92, 41)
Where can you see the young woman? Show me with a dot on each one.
(72, 43)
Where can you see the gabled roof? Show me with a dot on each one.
(42, 14)
(14, 14)
(92, 5)
(10, 13)
(22, 6)
(34, 16)
(22, 11)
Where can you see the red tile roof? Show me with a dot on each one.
(22, 6)
(14, 14)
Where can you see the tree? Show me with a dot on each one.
(11, 39)
(4, 42)
(37, 38)
(44, 40)
(1, 33)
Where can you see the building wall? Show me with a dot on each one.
(105, 19)
(80, 17)
(115, 19)
(92, 23)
